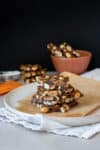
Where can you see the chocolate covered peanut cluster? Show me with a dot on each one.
(55, 94)
(63, 50)
(30, 72)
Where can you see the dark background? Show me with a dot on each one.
(27, 26)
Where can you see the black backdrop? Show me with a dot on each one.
(27, 26)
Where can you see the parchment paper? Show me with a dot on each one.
(87, 104)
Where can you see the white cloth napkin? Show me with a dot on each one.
(43, 123)
(93, 74)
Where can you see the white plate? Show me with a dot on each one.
(12, 99)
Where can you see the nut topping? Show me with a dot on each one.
(64, 108)
(77, 95)
(52, 93)
(44, 109)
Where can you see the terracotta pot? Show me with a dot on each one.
(75, 65)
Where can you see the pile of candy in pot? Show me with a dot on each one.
(30, 72)
(63, 50)
(55, 94)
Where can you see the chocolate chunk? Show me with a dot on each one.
(73, 103)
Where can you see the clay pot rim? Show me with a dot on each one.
(86, 54)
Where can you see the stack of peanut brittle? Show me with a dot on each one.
(55, 94)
